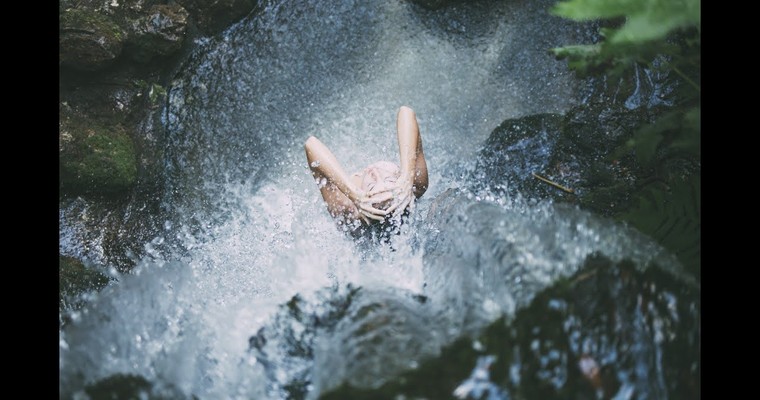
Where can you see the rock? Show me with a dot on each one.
(434, 4)
(128, 386)
(610, 330)
(94, 157)
(88, 41)
(159, 32)
(575, 151)
(586, 153)
(74, 279)
(214, 16)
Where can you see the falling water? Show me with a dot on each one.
(246, 229)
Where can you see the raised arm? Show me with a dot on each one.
(342, 197)
(410, 148)
(413, 181)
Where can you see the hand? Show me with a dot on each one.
(365, 204)
(403, 195)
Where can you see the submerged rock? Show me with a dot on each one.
(88, 40)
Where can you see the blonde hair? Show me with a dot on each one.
(380, 175)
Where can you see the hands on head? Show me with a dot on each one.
(400, 194)
(347, 197)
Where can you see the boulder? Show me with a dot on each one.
(158, 32)
(88, 40)
(585, 154)
(214, 16)
(608, 331)
(94, 157)
(575, 151)
(74, 279)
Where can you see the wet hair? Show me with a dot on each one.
(380, 175)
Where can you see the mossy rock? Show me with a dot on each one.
(88, 40)
(160, 32)
(94, 157)
(215, 16)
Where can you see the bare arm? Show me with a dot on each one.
(414, 176)
(410, 150)
(342, 197)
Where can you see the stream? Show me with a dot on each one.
(253, 292)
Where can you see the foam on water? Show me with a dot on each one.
(246, 228)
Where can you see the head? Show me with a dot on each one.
(378, 176)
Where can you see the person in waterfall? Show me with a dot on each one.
(380, 191)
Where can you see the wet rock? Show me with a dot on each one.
(158, 32)
(434, 4)
(127, 386)
(74, 279)
(214, 16)
(88, 40)
(358, 336)
(94, 157)
(515, 150)
(574, 151)
(383, 333)
(286, 346)
(609, 331)
(585, 159)
(111, 226)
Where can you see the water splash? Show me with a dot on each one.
(245, 229)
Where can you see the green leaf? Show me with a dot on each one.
(690, 138)
(672, 217)
(654, 24)
(646, 141)
(583, 10)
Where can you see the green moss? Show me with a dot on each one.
(156, 93)
(95, 158)
(90, 20)
(87, 40)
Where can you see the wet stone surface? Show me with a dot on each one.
(610, 330)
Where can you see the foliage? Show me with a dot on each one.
(658, 34)
(673, 217)
(662, 36)
(644, 34)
